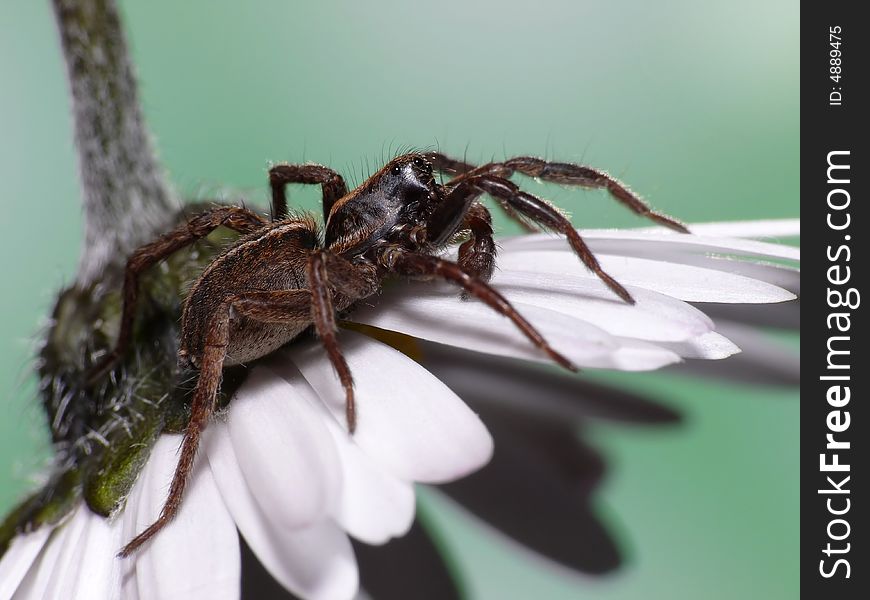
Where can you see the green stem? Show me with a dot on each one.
(126, 198)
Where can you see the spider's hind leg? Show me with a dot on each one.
(270, 306)
(203, 405)
(199, 226)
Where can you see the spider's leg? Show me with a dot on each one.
(273, 306)
(544, 213)
(583, 176)
(326, 272)
(202, 406)
(457, 168)
(445, 164)
(477, 254)
(554, 172)
(415, 265)
(331, 183)
(460, 211)
(236, 218)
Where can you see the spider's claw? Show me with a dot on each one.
(133, 546)
(616, 288)
(668, 222)
(561, 360)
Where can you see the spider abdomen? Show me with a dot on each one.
(272, 259)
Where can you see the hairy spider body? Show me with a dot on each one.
(282, 276)
(250, 265)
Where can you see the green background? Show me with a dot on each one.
(695, 104)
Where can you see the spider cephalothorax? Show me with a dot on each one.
(282, 275)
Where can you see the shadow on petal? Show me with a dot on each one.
(782, 315)
(407, 567)
(763, 360)
(256, 581)
(508, 384)
(537, 489)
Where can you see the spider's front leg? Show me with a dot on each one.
(331, 184)
(459, 211)
(326, 273)
(547, 215)
(415, 265)
(477, 254)
(455, 167)
(556, 172)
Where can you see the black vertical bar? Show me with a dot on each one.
(834, 174)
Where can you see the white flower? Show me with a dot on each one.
(280, 467)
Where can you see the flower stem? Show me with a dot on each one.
(125, 195)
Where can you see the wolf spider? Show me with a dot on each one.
(279, 278)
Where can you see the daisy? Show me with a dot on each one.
(279, 468)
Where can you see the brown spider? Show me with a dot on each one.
(279, 278)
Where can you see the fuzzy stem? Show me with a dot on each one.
(125, 196)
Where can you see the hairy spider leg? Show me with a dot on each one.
(453, 167)
(446, 164)
(331, 184)
(477, 254)
(276, 306)
(328, 271)
(541, 211)
(565, 174)
(236, 218)
(412, 264)
(323, 315)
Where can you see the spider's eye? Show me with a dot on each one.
(422, 164)
(396, 170)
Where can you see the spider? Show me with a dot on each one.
(281, 276)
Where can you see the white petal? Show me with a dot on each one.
(636, 242)
(35, 584)
(407, 420)
(127, 523)
(197, 555)
(654, 317)
(686, 282)
(637, 355)
(413, 310)
(374, 504)
(19, 558)
(98, 575)
(786, 277)
(68, 538)
(762, 360)
(710, 346)
(284, 450)
(315, 562)
(444, 318)
(764, 228)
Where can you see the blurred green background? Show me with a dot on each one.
(694, 104)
